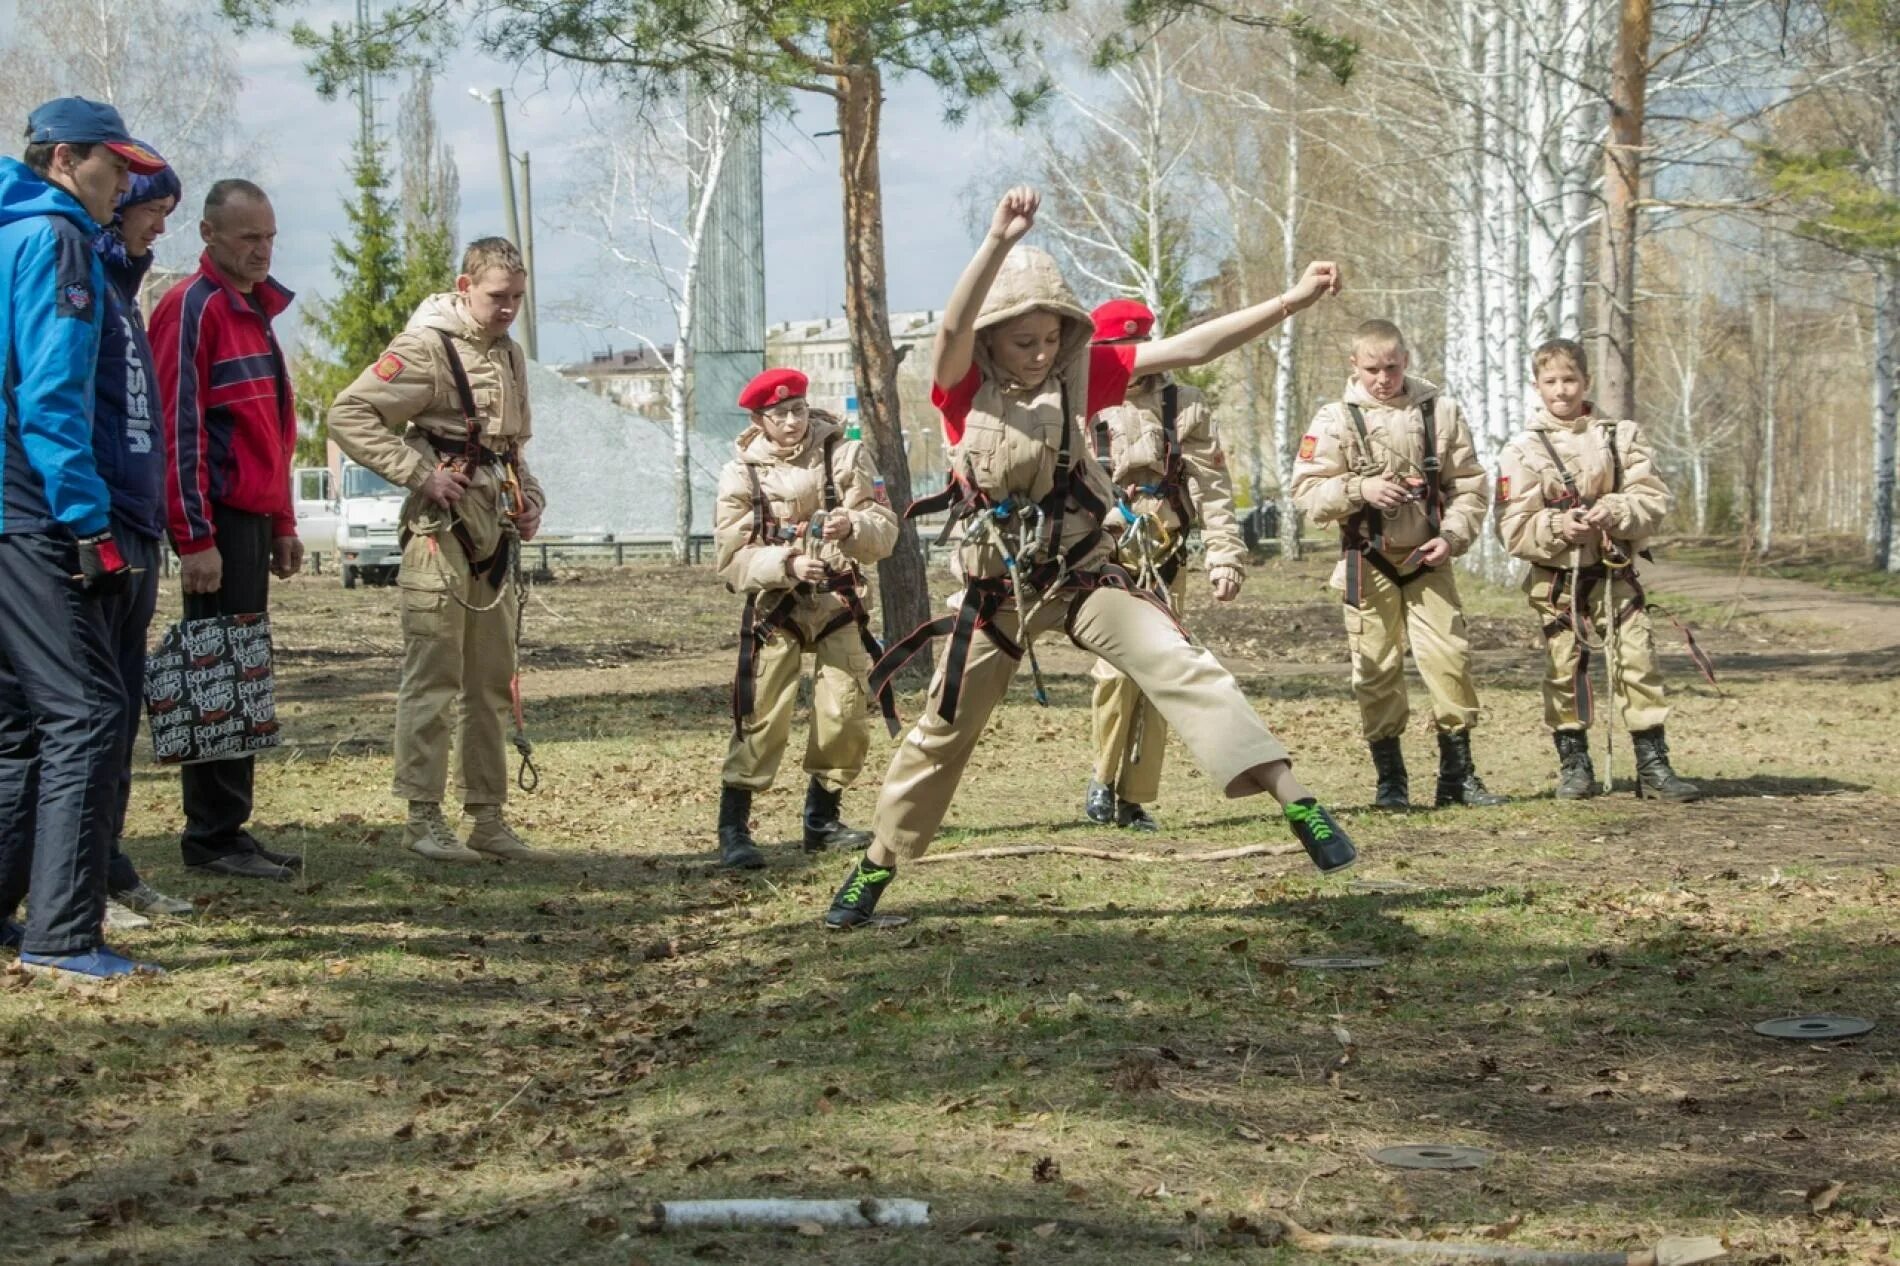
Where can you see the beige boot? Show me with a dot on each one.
(429, 834)
(493, 837)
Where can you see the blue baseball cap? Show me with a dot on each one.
(77, 121)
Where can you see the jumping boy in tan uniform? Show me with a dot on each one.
(1578, 496)
(444, 413)
(798, 520)
(1163, 455)
(1016, 382)
(1392, 465)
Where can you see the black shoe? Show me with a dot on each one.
(1458, 781)
(823, 828)
(1576, 776)
(856, 902)
(244, 866)
(1099, 804)
(1395, 787)
(289, 861)
(736, 849)
(1326, 841)
(1655, 780)
(1135, 818)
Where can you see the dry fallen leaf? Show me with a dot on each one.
(810, 1228)
(1502, 1230)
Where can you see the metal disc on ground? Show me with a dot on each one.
(1815, 1028)
(1432, 1156)
(1335, 963)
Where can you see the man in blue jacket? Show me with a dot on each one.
(61, 735)
(128, 442)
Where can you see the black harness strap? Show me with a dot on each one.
(1362, 537)
(755, 631)
(494, 568)
(1053, 572)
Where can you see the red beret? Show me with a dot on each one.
(1120, 319)
(774, 386)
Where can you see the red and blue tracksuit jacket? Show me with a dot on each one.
(51, 298)
(230, 420)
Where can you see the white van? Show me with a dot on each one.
(369, 515)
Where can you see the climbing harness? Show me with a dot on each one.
(1362, 537)
(1614, 563)
(501, 569)
(1036, 569)
(756, 629)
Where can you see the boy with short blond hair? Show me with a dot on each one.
(444, 413)
(1578, 497)
(1393, 466)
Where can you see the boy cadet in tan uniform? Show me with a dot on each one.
(1162, 453)
(801, 513)
(444, 413)
(1015, 381)
(1392, 464)
(1578, 496)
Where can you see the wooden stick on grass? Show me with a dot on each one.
(1105, 854)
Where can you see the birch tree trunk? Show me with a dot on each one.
(1886, 347)
(1283, 418)
(1622, 186)
(1766, 529)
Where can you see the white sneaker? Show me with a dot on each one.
(121, 919)
(149, 900)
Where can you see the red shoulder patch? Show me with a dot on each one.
(389, 366)
(1309, 444)
(1504, 489)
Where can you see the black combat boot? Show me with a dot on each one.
(736, 848)
(1326, 841)
(1099, 803)
(856, 902)
(1458, 781)
(1655, 780)
(823, 828)
(1133, 817)
(1388, 761)
(1576, 776)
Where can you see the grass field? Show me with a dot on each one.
(1074, 1060)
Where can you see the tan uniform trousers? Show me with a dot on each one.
(1426, 613)
(1198, 697)
(452, 656)
(840, 733)
(1131, 735)
(1640, 702)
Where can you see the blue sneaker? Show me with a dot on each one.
(95, 964)
(12, 935)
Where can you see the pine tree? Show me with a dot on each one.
(398, 253)
(367, 312)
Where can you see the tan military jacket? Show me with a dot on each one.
(1012, 436)
(1332, 464)
(377, 419)
(1529, 484)
(794, 488)
(1138, 456)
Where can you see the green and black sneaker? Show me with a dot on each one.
(1326, 841)
(856, 902)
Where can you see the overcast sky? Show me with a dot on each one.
(927, 166)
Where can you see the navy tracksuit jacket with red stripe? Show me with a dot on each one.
(230, 421)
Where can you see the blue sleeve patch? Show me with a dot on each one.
(73, 272)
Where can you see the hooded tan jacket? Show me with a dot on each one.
(1012, 435)
(1592, 449)
(1138, 455)
(1332, 464)
(794, 488)
(379, 418)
